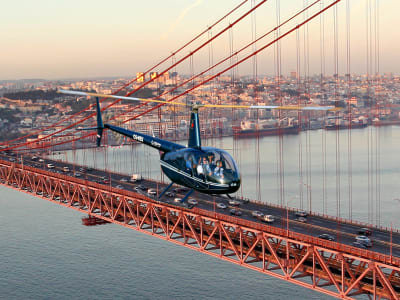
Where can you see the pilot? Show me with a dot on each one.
(211, 161)
(206, 167)
(219, 170)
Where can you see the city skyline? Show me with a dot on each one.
(69, 39)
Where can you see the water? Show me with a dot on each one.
(46, 253)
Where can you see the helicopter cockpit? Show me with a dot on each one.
(211, 165)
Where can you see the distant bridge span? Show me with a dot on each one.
(332, 268)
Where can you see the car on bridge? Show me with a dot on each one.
(365, 231)
(152, 192)
(359, 245)
(221, 205)
(268, 218)
(301, 213)
(192, 201)
(364, 240)
(257, 214)
(233, 202)
(235, 212)
(170, 194)
(301, 219)
(326, 236)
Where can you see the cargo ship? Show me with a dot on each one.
(384, 122)
(335, 123)
(345, 126)
(248, 129)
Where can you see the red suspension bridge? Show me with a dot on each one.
(291, 250)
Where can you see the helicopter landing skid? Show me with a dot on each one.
(165, 190)
(187, 195)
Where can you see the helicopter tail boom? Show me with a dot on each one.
(159, 144)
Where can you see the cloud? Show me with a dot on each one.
(180, 18)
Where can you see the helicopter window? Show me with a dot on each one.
(176, 160)
(212, 165)
(190, 164)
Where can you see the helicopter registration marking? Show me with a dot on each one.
(137, 137)
(155, 144)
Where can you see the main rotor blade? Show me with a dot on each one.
(287, 107)
(80, 93)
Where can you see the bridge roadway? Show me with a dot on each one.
(343, 231)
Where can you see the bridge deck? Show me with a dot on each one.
(291, 252)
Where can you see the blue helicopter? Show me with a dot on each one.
(207, 170)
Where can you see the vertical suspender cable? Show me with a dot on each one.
(336, 76)
(306, 62)
(257, 144)
(323, 132)
(369, 142)
(279, 99)
(378, 101)
(349, 96)
(298, 72)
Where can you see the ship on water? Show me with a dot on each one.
(334, 123)
(270, 127)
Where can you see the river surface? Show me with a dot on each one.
(47, 254)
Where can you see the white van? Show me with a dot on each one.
(50, 166)
(151, 192)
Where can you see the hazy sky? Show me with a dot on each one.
(87, 38)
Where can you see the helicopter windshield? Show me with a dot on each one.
(212, 165)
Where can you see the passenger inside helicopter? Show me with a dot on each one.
(211, 166)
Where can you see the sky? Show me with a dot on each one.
(55, 39)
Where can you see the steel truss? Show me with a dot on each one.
(286, 255)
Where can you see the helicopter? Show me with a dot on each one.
(207, 170)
